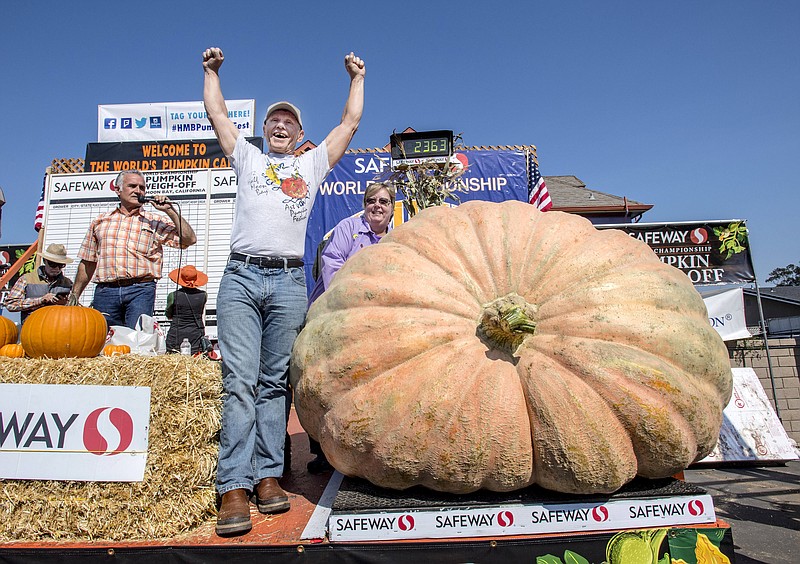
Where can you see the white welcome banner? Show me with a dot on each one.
(167, 120)
(726, 313)
(64, 432)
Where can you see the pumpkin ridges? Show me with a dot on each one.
(646, 289)
(573, 453)
(693, 397)
(604, 312)
(553, 237)
(563, 251)
(385, 420)
(401, 340)
(446, 244)
(637, 386)
(12, 350)
(662, 333)
(444, 293)
(491, 227)
(8, 331)
(64, 331)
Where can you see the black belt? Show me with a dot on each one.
(268, 262)
(126, 282)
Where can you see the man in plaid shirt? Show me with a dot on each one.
(123, 251)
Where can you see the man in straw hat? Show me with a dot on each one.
(44, 286)
(262, 296)
(185, 308)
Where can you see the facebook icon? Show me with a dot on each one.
(110, 123)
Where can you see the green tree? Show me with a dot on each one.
(785, 276)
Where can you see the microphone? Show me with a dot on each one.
(148, 199)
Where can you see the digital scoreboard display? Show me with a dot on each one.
(422, 147)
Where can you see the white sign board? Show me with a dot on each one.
(750, 429)
(726, 313)
(168, 120)
(63, 432)
(527, 519)
(206, 199)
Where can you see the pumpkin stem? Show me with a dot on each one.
(506, 322)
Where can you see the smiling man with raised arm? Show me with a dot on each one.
(261, 303)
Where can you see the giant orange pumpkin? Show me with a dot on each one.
(8, 331)
(495, 346)
(64, 331)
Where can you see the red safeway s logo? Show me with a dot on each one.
(112, 418)
(505, 518)
(696, 507)
(600, 513)
(405, 522)
(698, 236)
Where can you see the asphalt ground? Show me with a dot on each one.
(762, 505)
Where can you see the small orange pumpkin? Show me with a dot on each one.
(114, 350)
(8, 331)
(64, 332)
(12, 350)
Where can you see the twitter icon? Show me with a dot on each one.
(140, 123)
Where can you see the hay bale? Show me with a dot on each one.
(177, 493)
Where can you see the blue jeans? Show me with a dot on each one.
(123, 305)
(260, 311)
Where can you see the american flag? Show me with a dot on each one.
(39, 217)
(537, 189)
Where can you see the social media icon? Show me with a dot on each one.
(155, 122)
(110, 123)
(140, 123)
(125, 123)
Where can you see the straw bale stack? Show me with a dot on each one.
(177, 493)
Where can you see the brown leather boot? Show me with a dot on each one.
(270, 497)
(234, 514)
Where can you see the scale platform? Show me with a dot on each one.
(364, 512)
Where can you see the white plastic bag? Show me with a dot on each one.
(147, 339)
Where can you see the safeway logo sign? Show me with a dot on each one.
(695, 507)
(405, 522)
(600, 514)
(108, 422)
(505, 518)
(59, 432)
(523, 519)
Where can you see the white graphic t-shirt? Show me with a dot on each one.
(274, 197)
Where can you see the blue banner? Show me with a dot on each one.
(494, 176)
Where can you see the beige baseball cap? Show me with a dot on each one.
(284, 105)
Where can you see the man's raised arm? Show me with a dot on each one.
(342, 134)
(217, 111)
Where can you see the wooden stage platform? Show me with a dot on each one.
(279, 538)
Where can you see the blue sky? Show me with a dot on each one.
(693, 107)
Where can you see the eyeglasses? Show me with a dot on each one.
(53, 264)
(381, 201)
